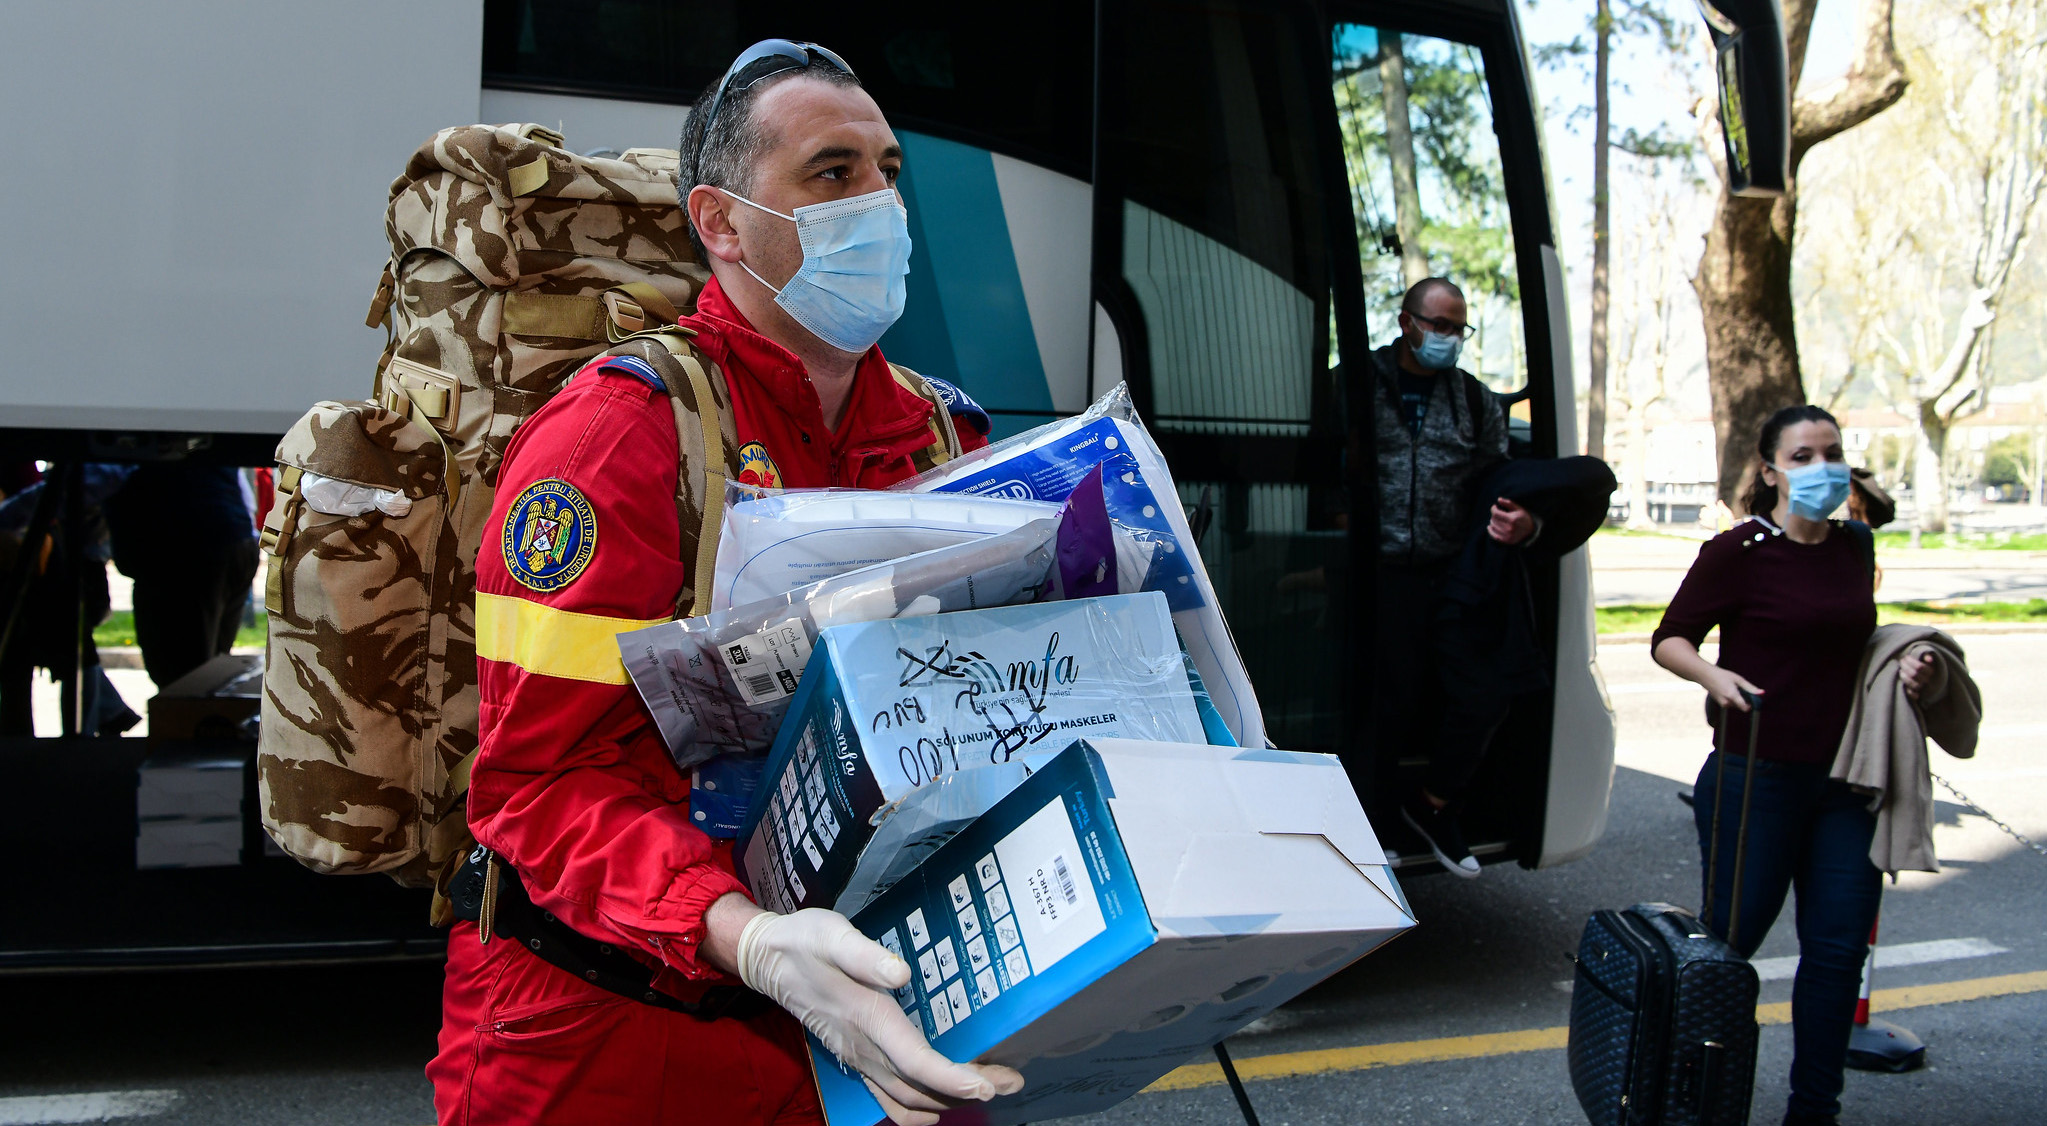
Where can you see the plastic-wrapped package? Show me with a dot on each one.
(721, 683)
(774, 542)
(1047, 463)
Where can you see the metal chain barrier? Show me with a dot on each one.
(1990, 817)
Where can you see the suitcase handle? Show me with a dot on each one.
(1755, 708)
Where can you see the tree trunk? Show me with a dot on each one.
(1595, 408)
(1744, 289)
(1744, 277)
(1638, 469)
(1407, 196)
(1929, 475)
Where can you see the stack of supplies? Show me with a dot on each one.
(996, 719)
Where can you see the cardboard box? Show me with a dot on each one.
(1122, 910)
(210, 702)
(188, 809)
(886, 706)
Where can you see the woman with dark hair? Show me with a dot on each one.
(1792, 594)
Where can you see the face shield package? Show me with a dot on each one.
(1046, 464)
(776, 542)
(720, 683)
(887, 707)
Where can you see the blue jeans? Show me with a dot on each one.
(1808, 832)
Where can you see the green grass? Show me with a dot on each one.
(1610, 530)
(1941, 613)
(1643, 619)
(1628, 619)
(1987, 541)
(119, 630)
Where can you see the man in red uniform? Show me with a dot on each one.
(793, 203)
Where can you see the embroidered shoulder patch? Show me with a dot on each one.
(637, 368)
(550, 535)
(757, 468)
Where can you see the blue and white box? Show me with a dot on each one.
(886, 706)
(1125, 908)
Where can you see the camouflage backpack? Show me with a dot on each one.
(514, 262)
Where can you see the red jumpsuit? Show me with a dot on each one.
(572, 784)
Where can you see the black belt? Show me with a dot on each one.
(486, 886)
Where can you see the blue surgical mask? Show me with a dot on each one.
(1438, 350)
(1817, 489)
(856, 257)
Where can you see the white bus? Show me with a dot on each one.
(1213, 200)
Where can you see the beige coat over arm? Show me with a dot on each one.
(1883, 750)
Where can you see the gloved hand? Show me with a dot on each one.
(836, 981)
(341, 498)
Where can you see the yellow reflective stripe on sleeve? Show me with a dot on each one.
(552, 642)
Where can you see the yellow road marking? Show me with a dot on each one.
(1287, 1064)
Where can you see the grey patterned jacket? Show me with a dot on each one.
(1425, 483)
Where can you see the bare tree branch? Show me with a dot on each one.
(1874, 82)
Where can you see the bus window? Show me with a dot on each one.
(1213, 227)
(1426, 190)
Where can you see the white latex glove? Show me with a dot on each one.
(837, 981)
(340, 498)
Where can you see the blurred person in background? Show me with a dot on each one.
(185, 534)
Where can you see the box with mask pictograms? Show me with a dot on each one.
(1119, 912)
(887, 706)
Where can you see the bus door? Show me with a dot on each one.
(1269, 180)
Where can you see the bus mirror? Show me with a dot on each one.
(1752, 73)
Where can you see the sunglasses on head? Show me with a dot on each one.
(764, 59)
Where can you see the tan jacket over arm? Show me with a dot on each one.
(1883, 748)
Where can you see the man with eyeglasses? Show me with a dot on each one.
(1439, 432)
(788, 174)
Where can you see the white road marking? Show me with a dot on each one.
(91, 1106)
(1891, 957)
(1887, 957)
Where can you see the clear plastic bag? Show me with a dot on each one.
(777, 541)
(721, 683)
(1045, 464)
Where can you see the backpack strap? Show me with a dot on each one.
(945, 437)
(706, 441)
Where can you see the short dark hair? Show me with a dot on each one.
(1761, 498)
(737, 139)
(1412, 303)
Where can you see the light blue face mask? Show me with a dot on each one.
(1817, 489)
(1438, 350)
(856, 257)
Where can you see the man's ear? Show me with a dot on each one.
(711, 215)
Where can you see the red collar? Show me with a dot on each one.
(879, 407)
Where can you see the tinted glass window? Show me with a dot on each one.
(1008, 79)
(1218, 270)
(1222, 228)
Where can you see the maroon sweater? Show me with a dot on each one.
(1793, 619)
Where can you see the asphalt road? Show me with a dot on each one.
(1476, 989)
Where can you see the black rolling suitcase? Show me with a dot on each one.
(1663, 1014)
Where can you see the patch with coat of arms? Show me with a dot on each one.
(550, 535)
